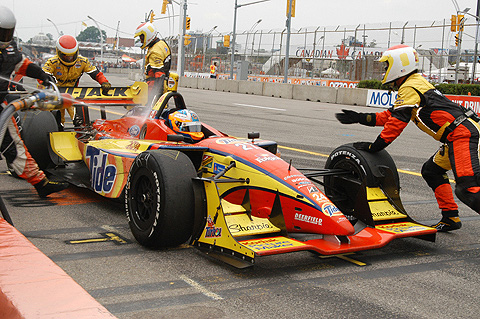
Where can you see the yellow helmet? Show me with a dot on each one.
(400, 60)
(67, 50)
(186, 122)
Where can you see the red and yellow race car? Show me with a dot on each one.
(233, 198)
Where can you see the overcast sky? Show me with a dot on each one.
(32, 15)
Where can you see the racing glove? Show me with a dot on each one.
(374, 147)
(352, 117)
(105, 87)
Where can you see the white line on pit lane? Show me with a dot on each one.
(202, 289)
(260, 107)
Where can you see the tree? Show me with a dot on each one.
(91, 34)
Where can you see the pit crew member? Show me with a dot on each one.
(67, 66)
(12, 147)
(157, 59)
(454, 126)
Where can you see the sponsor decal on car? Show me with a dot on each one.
(308, 219)
(276, 243)
(212, 231)
(102, 174)
(330, 210)
(266, 157)
(207, 161)
(217, 168)
(400, 228)
(134, 130)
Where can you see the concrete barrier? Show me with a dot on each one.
(207, 84)
(315, 93)
(227, 86)
(188, 82)
(250, 87)
(352, 96)
(282, 90)
(324, 94)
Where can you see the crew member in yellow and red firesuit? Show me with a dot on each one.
(454, 126)
(157, 59)
(67, 66)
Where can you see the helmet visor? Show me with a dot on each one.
(6, 34)
(72, 57)
(191, 127)
(139, 40)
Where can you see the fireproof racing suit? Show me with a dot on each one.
(157, 67)
(447, 122)
(69, 76)
(12, 147)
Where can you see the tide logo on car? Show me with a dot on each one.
(102, 174)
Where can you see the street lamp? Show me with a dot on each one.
(250, 31)
(403, 33)
(58, 32)
(232, 43)
(101, 39)
(205, 40)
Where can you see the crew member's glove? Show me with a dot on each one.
(105, 87)
(46, 79)
(348, 117)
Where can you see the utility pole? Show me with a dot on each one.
(287, 49)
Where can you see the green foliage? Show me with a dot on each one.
(373, 84)
(91, 34)
(445, 88)
(459, 89)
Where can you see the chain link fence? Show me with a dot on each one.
(340, 52)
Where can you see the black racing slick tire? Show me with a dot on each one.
(159, 198)
(35, 128)
(369, 169)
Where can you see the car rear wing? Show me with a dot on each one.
(135, 94)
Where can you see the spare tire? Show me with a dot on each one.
(369, 169)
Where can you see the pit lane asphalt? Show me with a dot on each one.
(409, 278)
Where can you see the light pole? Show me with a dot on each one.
(403, 33)
(101, 40)
(232, 43)
(249, 31)
(58, 32)
(205, 40)
(287, 49)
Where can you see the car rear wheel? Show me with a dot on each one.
(35, 128)
(364, 167)
(159, 198)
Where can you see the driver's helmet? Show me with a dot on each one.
(186, 122)
(399, 60)
(144, 34)
(67, 50)
(7, 26)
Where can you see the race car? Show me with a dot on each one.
(234, 198)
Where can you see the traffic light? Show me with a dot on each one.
(164, 6)
(226, 41)
(187, 23)
(187, 39)
(457, 40)
(460, 22)
(453, 23)
(293, 7)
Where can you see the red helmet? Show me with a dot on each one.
(67, 49)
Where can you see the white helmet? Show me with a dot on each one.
(145, 32)
(7, 26)
(400, 60)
